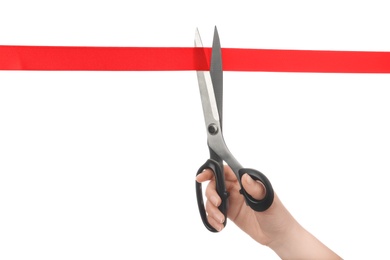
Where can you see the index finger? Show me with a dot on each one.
(206, 175)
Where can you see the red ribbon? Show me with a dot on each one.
(184, 58)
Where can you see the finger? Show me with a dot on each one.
(214, 216)
(215, 224)
(211, 192)
(206, 175)
(212, 195)
(254, 188)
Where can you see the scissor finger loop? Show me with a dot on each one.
(219, 178)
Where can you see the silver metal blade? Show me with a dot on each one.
(216, 143)
(217, 73)
(210, 109)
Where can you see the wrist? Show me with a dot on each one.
(288, 241)
(298, 243)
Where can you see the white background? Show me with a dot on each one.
(101, 165)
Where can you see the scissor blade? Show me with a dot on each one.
(207, 95)
(216, 72)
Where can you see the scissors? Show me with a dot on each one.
(211, 93)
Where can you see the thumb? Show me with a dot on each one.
(254, 188)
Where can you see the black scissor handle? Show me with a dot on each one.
(266, 202)
(221, 190)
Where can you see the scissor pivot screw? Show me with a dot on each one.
(213, 129)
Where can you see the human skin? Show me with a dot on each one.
(275, 227)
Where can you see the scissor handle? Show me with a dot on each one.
(266, 202)
(221, 190)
